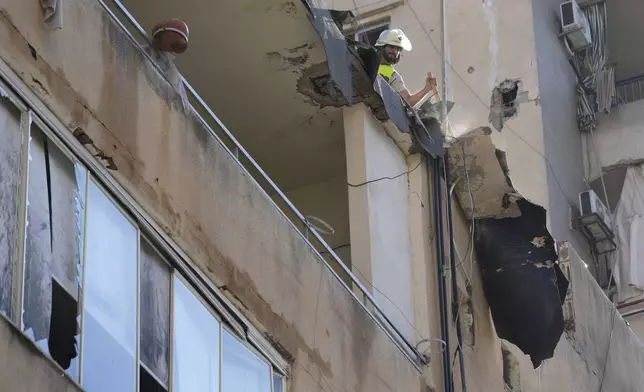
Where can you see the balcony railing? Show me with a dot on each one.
(629, 90)
(121, 16)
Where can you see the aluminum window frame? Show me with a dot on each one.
(33, 112)
(59, 133)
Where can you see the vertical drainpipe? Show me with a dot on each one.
(455, 298)
(435, 184)
(444, 66)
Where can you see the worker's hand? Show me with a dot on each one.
(430, 82)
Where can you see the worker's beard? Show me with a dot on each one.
(389, 58)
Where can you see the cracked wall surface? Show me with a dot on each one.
(203, 200)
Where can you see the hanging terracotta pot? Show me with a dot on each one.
(171, 36)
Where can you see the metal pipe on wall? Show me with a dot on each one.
(455, 297)
(435, 184)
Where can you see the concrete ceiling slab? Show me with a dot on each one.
(245, 59)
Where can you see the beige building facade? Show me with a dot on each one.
(277, 235)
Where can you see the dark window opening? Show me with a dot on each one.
(63, 327)
(55, 221)
(155, 312)
(509, 91)
(149, 383)
(370, 36)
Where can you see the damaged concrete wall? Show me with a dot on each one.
(490, 44)
(126, 114)
(598, 351)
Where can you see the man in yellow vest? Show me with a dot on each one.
(390, 44)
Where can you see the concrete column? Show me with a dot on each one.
(379, 216)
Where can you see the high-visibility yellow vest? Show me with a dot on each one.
(387, 71)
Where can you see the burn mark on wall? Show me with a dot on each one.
(522, 281)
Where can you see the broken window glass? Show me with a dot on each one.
(242, 370)
(55, 214)
(11, 171)
(195, 343)
(148, 382)
(110, 301)
(155, 315)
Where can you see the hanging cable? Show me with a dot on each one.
(455, 299)
(385, 178)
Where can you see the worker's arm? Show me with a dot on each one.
(430, 87)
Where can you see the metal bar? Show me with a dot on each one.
(435, 184)
(316, 235)
(627, 304)
(455, 297)
(19, 262)
(633, 313)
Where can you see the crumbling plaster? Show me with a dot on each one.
(201, 197)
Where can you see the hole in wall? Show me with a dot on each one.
(504, 103)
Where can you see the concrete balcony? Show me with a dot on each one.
(202, 188)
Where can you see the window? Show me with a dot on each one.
(278, 383)
(370, 35)
(196, 343)
(55, 219)
(155, 320)
(110, 303)
(11, 172)
(242, 370)
(91, 292)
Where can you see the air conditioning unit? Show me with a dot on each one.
(575, 25)
(590, 203)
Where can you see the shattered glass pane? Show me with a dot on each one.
(155, 312)
(10, 177)
(242, 370)
(110, 299)
(56, 190)
(195, 344)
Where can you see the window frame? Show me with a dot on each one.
(383, 24)
(34, 111)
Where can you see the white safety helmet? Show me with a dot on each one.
(394, 37)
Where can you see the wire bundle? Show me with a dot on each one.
(597, 81)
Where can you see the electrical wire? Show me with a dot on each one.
(385, 178)
(478, 97)
(470, 245)
(420, 335)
